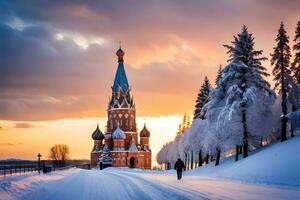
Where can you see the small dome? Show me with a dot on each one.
(97, 134)
(120, 52)
(118, 134)
(144, 132)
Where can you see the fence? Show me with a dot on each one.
(84, 166)
(8, 168)
(17, 169)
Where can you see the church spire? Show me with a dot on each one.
(121, 82)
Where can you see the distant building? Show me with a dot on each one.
(121, 135)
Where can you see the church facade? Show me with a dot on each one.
(127, 148)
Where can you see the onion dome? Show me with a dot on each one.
(144, 132)
(97, 134)
(118, 134)
(120, 53)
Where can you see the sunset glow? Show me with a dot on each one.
(25, 138)
(58, 64)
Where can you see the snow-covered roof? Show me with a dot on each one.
(124, 103)
(133, 147)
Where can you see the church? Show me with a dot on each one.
(127, 148)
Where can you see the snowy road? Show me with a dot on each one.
(125, 184)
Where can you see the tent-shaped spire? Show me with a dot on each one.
(133, 147)
(121, 82)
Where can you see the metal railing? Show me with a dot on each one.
(17, 169)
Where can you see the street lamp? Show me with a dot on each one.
(39, 162)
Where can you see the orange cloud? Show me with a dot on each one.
(169, 48)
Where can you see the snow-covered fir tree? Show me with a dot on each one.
(282, 72)
(243, 50)
(241, 101)
(188, 121)
(296, 63)
(294, 94)
(105, 157)
(184, 123)
(179, 131)
(219, 75)
(195, 137)
(294, 99)
(202, 98)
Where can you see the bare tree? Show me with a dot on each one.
(59, 153)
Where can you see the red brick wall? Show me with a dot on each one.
(119, 143)
(142, 159)
(119, 158)
(109, 142)
(125, 117)
(122, 159)
(145, 141)
(129, 137)
(94, 158)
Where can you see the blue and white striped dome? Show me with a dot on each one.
(118, 134)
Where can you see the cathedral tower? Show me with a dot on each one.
(121, 108)
(121, 135)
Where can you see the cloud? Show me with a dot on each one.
(7, 144)
(62, 80)
(10, 144)
(57, 57)
(24, 125)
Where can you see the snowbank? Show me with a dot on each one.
(16, 186)
(277, 164)
(274, 168)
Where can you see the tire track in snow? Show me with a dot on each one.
(157, 191)
(92, 185)
(165, 190)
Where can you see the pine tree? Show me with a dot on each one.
(294, 94)
(281, 62)
(188, 122)
(202, 98)
(243, 51)
(296, 63)
(219, 75)
(179, 131)
(184, 121)
(294, 99)
(105, 157)
(241, 89)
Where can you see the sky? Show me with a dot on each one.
(57, 63)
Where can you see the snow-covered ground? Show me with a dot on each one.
(272, 173)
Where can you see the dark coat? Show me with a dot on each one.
(179, 165)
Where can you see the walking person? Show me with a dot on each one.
(179, 166)
(100, 164)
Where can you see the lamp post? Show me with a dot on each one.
(39, 162)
